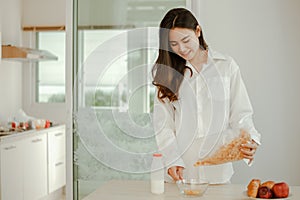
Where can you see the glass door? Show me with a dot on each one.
(116, 47)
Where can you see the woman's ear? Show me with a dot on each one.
(198, 31)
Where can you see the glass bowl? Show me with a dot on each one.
(192, 187)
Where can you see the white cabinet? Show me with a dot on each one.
(35, 167)
(11, 170)
(56, 159)
(32, 164)
(24, 168)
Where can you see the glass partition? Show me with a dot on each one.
(117, 44)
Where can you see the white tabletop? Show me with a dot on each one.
(140, 190)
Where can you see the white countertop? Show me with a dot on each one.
(19, 135)
(140, 190)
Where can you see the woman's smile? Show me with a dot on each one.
(185, 53)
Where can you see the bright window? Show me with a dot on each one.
(50, 75)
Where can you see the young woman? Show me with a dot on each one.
(200, 102)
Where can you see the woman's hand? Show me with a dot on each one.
(249, 150)
(176, 172)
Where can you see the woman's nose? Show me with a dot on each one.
(182, 48)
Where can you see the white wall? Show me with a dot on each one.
(44, 13)
(263, 37)
(40, 13)
(10, 72)
(13, 15)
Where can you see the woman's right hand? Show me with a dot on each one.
(176, 172)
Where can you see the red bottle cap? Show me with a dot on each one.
(13, 124)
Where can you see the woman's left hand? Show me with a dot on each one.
(249, 149)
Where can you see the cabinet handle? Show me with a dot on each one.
(59, 163)
(10, 147)
(36, 140)
(58, 134)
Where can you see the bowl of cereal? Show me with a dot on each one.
(192, 187)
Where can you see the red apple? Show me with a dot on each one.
(281, 190)
(264, 192)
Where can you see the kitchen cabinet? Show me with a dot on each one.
(32, 163)
(56, 159)
(11, 170)
(35, 167)
(24, 168)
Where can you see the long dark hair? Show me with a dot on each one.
(169, 68)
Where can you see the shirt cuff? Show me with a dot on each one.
(256, 139)
(248, 162)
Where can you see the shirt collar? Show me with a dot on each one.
(212, 55)
(216, 55)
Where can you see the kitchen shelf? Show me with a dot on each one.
(44, 28)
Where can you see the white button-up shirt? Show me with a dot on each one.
(212, 107)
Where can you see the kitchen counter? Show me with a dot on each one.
(9, 136)
(137, 190)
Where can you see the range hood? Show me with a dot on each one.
(22, 54)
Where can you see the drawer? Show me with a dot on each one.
(56, 144)
(57, 174)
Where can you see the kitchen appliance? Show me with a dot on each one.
(23, 54)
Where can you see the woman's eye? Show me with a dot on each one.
(186, 41)
(173, 44)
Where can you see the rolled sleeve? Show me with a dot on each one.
(241, 111)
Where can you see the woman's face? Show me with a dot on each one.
(184, 42)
